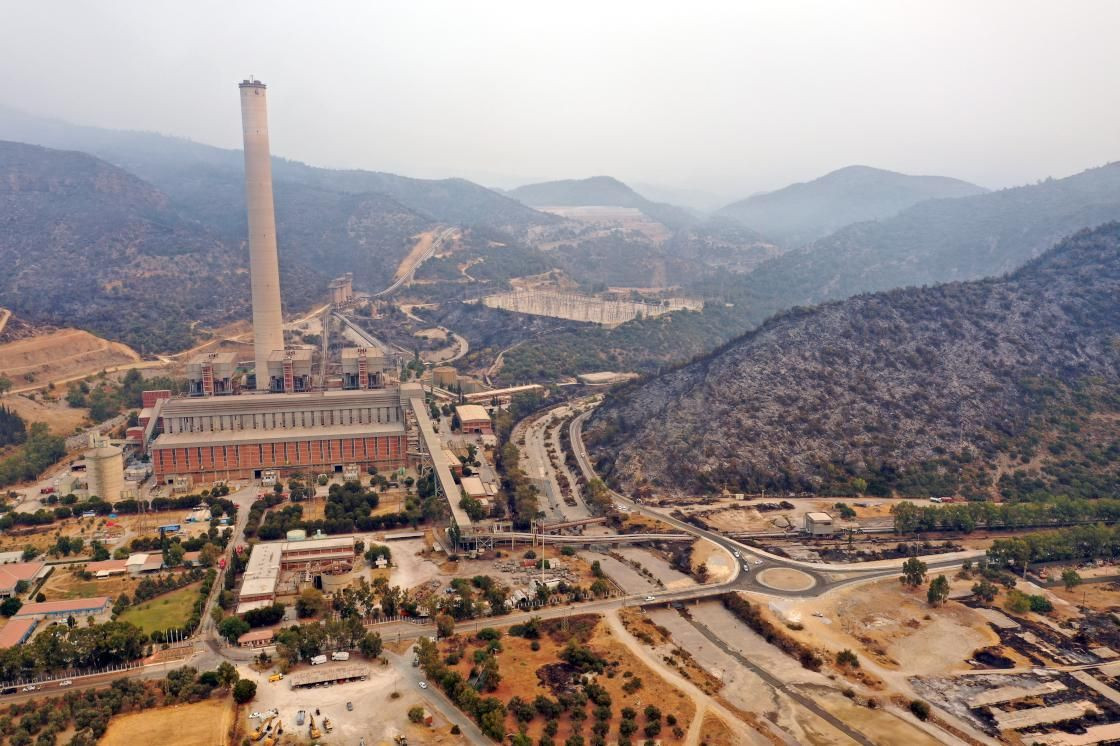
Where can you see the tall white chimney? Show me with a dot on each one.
(264, 266)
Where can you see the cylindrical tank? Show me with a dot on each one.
(297, 534)
(105, 472)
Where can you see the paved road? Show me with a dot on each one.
(444, 235)
(435, 697)
(826, 577)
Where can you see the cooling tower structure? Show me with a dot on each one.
(264, 265)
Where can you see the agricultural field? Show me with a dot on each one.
(171, 610)
(206, 722)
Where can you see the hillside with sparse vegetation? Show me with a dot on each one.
(1004, 385)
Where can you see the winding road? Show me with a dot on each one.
(755, 562)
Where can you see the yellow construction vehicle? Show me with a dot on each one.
(261, 729)
(314, 732)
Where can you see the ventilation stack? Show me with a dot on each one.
(264, 266)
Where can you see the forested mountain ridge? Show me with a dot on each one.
(803, 212)
(85, 243)
(1009, 385)
(939, 241)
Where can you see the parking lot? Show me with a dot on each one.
(377, 716)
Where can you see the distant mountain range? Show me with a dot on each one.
(800, 213)
(938, 241)
(1009, 385)
(168, 162)
(599, 191)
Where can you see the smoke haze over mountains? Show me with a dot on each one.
(729, 98)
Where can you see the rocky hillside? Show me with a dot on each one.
(801, 213)
(1008, 384)
(87, 244)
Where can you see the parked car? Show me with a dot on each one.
(349, 706)
(423, 685)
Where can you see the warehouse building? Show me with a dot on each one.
(17, 632)
(474, 419)
(75, 607)
(12, 573)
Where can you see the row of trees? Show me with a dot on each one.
(88, 711)
(912, 518)
(1076, 543)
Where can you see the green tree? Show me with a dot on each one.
(913, 572)
(370, 645)
(445, 625)
(938, 590)
(311, 602)
(244, 691)
(1070, 578)
(227, 674)
(985, 590)
(232, 628)
(416, 714)
(9, 606)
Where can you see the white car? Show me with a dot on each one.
(68, 682)
(423, 685)
(736, 553)
(650, 598)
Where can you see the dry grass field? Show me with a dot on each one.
(182, 725)
(65, 354)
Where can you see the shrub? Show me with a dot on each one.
(920, 709)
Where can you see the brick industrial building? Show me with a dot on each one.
(239, 437)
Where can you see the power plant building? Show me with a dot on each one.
(239, 437)
(212, 374)
(362, 369)
(264, 264)
(288, 371)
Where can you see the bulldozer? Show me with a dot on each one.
(313, 731)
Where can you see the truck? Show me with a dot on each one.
(340, 656)
(300, 717)
(318, 659)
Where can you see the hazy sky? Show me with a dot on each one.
(729, 98)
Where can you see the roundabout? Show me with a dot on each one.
(788, 579)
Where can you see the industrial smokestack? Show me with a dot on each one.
(264, 266)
